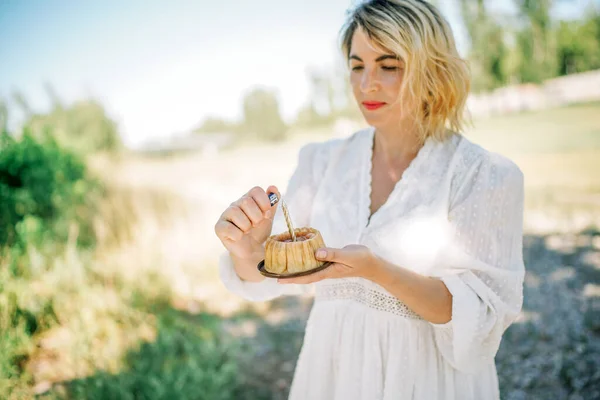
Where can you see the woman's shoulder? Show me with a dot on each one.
(476, 159)
(481, 174)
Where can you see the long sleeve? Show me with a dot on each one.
(482, 265)
(300, 192)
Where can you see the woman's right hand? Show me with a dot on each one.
(247, 223)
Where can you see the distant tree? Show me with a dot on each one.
(330, 96)
(488, 53)
(536, 43)
(528, 47)
(3, 117)
(320, 105)
(83, 127)
(308, 116)
(578, 45)
(262, 119)
(322, 91)
(215, 125)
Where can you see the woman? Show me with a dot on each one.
(424, 227)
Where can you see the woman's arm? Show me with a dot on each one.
(501, 212)
(429, 297)
(301, 189)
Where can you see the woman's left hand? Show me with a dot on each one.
(354, 260)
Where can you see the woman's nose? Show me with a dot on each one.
(368, 81)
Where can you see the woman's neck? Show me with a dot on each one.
(397, 146)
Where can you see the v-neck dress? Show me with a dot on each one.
(456, 215)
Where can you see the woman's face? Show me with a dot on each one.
(376, 77)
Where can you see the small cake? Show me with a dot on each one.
(284, 256)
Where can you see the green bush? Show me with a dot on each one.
(44, 192)
(191, 358)
(48, 204)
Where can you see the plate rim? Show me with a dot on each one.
(268, 274)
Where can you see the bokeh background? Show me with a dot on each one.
(128, 127)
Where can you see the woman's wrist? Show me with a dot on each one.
(257, 254)
(247, 267)
(376, 270)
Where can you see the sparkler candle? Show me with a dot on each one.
(286, 213)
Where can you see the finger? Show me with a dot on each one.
(330, 254)
(236, 216)
(248, 205)
(225, 230)
(261, 197)
(274, 197)
(273, 189)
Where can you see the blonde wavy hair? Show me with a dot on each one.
(435, 75)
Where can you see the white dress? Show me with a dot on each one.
(456, 214)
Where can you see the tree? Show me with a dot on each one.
(578, 45)
(322, 92)
(537, 47)
(308, 116)
(3, 116)
(330, 96)
(215, 125)
(83, 127)
(262, 119)
(489, 53)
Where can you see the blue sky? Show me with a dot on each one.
(160, 67)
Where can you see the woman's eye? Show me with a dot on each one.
(358, 68)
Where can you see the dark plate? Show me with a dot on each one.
(262, 270)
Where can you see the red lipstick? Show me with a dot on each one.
(372, 105)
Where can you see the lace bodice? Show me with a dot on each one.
(355, 291)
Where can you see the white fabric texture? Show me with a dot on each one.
(456, 214)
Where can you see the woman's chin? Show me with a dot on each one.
(375, 119)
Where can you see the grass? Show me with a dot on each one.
(558, 151)
(186, 359)
(554, 131)
(144, 316)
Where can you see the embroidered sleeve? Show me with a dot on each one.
(482, 265)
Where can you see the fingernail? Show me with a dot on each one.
(268, 213)
(321, 254)
(273, 198)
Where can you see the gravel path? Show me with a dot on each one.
(553, 352)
